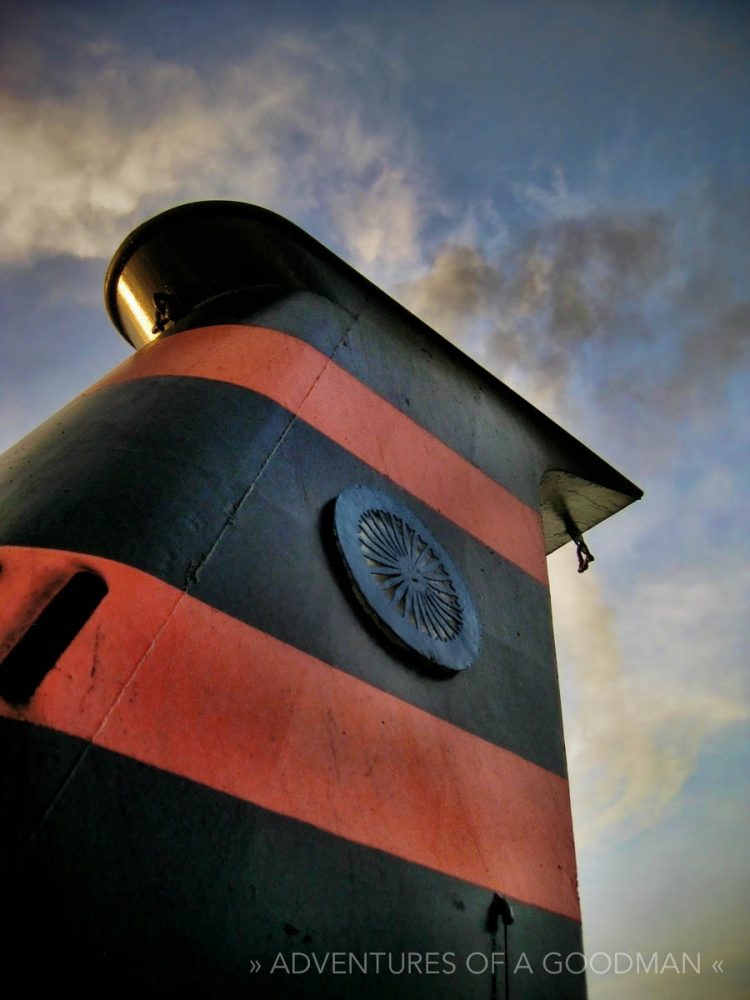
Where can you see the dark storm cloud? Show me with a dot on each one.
(652, 298)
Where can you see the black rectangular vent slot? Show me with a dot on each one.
(46, 639)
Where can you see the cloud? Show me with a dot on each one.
(636, 732)
(381, 224)
(634, 306)
(286, 128)
(555, 199)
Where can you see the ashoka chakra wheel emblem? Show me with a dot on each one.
(409, 573)
(405, 579)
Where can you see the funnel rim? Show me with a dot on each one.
(218, 207)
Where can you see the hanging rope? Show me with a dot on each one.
(585, 556)
(500, 909)
(584, 553)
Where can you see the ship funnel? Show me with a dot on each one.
(205, 254)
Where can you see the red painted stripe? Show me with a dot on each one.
(313, 387)
(172, 682)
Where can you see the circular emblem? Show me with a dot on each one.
(405, 579)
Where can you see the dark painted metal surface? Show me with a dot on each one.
(139, 878)
(123, 874)
(159, 494)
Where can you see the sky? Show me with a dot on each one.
(563, 191)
